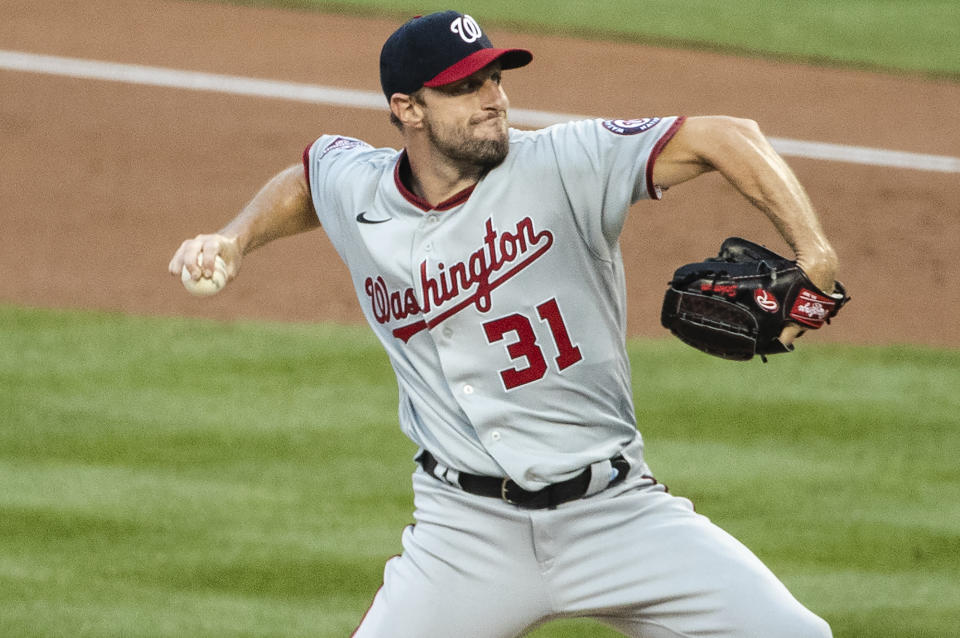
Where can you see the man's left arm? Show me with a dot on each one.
(739, 151)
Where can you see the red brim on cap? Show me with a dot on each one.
(510, 59)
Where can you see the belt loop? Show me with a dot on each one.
(451, 476)
(601, 473)
(442, 472)
(439, 471)
(505, 491)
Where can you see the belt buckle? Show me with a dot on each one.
(504, 489)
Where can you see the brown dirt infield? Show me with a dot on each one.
(101, 180)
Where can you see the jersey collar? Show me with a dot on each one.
(401, 175)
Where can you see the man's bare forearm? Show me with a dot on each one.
(738, 150)
(763, 177)
(281, 208)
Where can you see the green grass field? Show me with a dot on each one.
(173, 477)
(918, 36)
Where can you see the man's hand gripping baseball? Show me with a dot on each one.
(281, 208)
(199, 255)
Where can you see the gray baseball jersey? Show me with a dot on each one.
(502, 309)
(503, 312)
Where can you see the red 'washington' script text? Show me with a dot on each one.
(501, 257)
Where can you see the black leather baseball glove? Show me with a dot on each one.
(735, 305)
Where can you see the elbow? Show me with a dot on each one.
(717, 139)
(747, 126)
(725, 124)
(744, 129)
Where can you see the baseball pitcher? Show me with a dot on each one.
(486, 260)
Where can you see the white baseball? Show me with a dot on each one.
(206, 286)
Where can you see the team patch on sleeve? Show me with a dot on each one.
(630, 127)
(342, 144)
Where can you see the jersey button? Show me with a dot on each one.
(468, 389)
(433, 219)
(428, 246)
(447, 332)
(495, 435)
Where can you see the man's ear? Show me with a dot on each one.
(406, 109)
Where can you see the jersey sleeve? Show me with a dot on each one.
(607, 165)
(327, 164)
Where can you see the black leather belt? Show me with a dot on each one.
(506, 489)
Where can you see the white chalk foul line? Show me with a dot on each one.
(238, 85)
(191, 80)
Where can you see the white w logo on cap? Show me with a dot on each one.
(467, 28)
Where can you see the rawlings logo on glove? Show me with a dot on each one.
(812, 308)
(735, 305)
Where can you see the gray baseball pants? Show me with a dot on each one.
(633, 557)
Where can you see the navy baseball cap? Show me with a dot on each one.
(438, 49)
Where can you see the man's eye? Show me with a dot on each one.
(471, 86)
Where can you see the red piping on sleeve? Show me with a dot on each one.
(652, 189)
(306, 164)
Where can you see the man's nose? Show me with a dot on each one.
(493, 95)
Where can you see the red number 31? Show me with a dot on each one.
(526, 347)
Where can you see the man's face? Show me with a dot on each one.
(466, 121)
